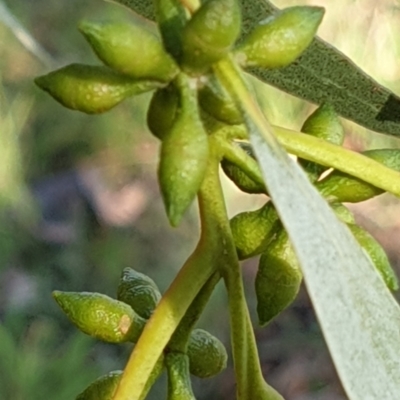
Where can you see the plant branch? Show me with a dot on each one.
(321, 152)
(250, 382)
(197, 270)
(180, 338)
(348, 161)
(239, 157)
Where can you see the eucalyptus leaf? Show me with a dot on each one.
(359, 317)
(324, 74)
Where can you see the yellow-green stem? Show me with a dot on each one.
(180, 338)
(350, 162)
(319, 151)
(239, 157)
(178, 298)
(157, 371)
(249, 379)
(253, 383)
(163, 323)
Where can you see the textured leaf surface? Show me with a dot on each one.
(144, 8)
(324, 74)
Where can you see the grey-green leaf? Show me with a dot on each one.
(324, 74)
(359, 317)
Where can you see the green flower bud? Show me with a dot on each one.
(184, 155)
(130, 49)
(139, 291)
(253, 230)
(241, 179)
(179, 385)
(101, 316)
(210, 34)
(324, 124)
(216, 101)
(377, 255)
(91, 89)
(280, 39)
(240, 174)
(278, 278)
(102, 388)
(206, 353)
(343, 188)
(171, 18)
(162, 111)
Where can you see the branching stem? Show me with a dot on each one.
(197, 270)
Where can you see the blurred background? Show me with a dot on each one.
(79, 202)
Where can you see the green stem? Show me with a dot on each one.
(253, 385)
(233, 153)
(250, 381)
(164, 322)
(155, 374)
(180, 338)
(179, 384)
(350, 162)
(318, 151)
(200, 266)
(321, 152)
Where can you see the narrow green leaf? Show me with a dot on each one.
(324, 74)
(359, 317)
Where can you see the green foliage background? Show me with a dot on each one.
(113, 217)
